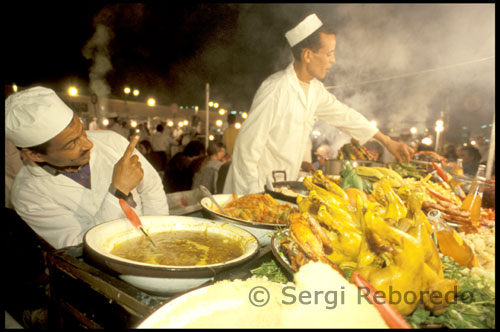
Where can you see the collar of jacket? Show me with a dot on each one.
(292, 76)
(43, 169)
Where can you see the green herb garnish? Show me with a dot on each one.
(271, 271)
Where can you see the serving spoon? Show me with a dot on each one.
(134, 219)
(209, 194)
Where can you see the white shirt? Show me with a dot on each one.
(61, 211)
(274, 136)
(160, 141)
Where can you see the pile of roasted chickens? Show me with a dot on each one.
(387, 239)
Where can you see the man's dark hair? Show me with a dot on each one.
(194, 148)
(159, 128)
(41, 148)
(312, 42)
(231, 118)
(472, 151)
(146, 145)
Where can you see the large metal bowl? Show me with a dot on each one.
(162, 279)
(263, 232)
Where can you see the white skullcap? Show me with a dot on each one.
(303, 30)
(34, 116)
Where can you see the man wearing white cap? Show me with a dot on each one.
(284, 109)
(73, 177)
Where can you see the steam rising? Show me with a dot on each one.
(375, 42)
(96, 49)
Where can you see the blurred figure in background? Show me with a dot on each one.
(322, 154)
(230, 134)
(93, 124)
(470, 157)
(483, 148)
(117, 127)
(161, 142)
(144, 133)
(153, 157)
(179, 171)
(450, 152)
(207, 175)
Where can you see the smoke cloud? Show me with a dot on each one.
(404, 64)
(96, 50)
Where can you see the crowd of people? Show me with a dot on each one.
(179, 155)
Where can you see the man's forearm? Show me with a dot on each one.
(382, 138)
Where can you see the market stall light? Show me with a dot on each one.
(244, 115)
(316, 133)
(170, 123)
(14, 87)
(426, 141)
(180, 124)
(473, 142)
(133, 123)
(186, 122)
(136, 92)
(151, 102)
(222, 111)
(218, 123)
(126, 90)
(237, 125)
(216, 105)
(439, 126)
(72, 91)
(211, 104)
(211, 137)
(413, 130)
(105, 122)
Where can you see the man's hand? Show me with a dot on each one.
(128, 171)
(307, 166)
(401, 151)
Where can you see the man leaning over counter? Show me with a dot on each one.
(284, 109)
(73, 178)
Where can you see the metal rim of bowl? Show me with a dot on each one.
(238, 221)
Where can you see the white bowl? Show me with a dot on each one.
(162, 279)
(263, 232)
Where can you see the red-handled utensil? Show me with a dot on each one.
(393, 318)
(134, 219)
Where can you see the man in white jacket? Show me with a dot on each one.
(284, 109)
(74, 178)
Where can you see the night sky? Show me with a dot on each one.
(399, 64)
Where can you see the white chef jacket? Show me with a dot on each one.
(60, 210)
(274, 136)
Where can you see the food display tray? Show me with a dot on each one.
(84, 295)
